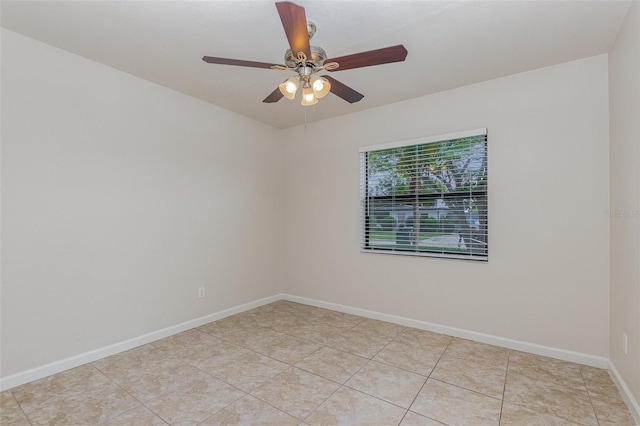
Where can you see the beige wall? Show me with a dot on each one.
(624, 98)
(121, 198)
(546, 281)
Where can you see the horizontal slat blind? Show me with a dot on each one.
(426, 199)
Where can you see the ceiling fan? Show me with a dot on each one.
(306, 60)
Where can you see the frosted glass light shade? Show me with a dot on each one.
(321, 86)
(289, 87)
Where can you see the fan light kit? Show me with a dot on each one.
(313, 86)
(309, 60)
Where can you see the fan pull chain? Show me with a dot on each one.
(305, 119)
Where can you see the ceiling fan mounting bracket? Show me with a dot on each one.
(311, 29)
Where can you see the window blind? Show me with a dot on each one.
(426, 197)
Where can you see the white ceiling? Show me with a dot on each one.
(450, 44)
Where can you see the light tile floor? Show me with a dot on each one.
(287, 363)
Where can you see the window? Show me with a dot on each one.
(426, 197)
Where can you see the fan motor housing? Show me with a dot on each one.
(318, 56)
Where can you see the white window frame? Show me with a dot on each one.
(365, 200)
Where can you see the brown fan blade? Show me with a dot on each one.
(385, 55)
(237, 62)
(294, 22)
(343, 91)
(275, 96)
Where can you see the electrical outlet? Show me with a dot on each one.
(201, 292)
(624, 343)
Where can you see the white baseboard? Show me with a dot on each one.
(577, 357)
(633, 405)
(94, 355)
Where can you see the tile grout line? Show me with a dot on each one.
(504, 387)
(584, 382)
(141, 404)
(294, 366)
(344, 385)
(427, 379)
(20, 407)
(269, 404)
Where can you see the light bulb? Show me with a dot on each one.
(289, 87)
(321, 86)
(308, 98)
